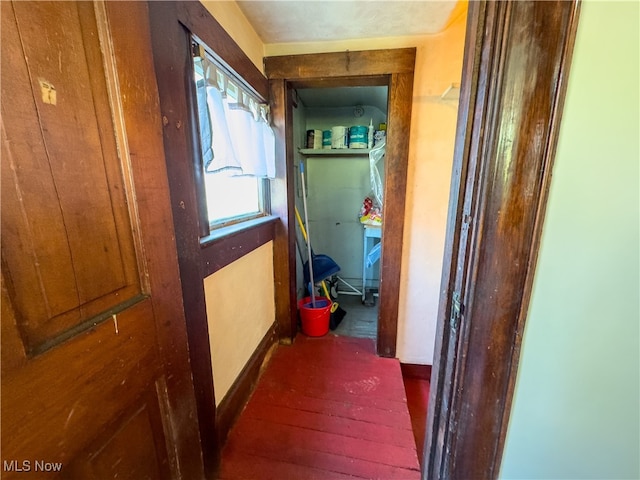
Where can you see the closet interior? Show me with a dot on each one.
(339, 141)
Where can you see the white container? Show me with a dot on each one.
(339, 137)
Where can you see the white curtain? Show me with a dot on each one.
(241, 140)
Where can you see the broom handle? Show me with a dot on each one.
(308, 239)
(302, 229)
(304, 235)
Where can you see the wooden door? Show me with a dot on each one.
(95, 372)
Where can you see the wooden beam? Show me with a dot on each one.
(331, 82)
(349, 64)
(282, 197)
(219, 252)
(395, 192)
(172, 58)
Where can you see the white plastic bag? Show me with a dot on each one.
(376, 156)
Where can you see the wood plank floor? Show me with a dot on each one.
(360, 320)
(417, 389)
(325, 408)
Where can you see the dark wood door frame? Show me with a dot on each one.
(517, 57)
(393, 68)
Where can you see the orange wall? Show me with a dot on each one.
(433, 128)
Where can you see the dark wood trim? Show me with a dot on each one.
(413, 370)
(442, 377)
(172, 60)
(329, 82)
(239, 393)
(197, 20)
(395, 192)
(566, 57)
(222, 251)
(172, 24)
(129, 22)
(193, 125)
(367, 67)
(507, 131)
(282, 196)
(363, 63)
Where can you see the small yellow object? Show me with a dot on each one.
(48, 92)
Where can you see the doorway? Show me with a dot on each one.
(339, 138)
(392, 69)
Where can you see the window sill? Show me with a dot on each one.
(227, 244)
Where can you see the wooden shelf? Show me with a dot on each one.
(334, 152)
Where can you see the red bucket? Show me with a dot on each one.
(315, 321)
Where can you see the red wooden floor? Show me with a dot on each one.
(417, 390)
(325, 408)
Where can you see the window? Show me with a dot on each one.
(237, 144)
(232, 198)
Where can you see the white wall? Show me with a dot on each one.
(337, 187)
(575, 410)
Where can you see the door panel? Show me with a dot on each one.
(133, 434)
(95, 378)
(126, 448)
(67, 237)
(60, 390)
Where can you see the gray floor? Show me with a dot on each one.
(360, 320)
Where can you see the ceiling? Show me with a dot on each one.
(293, 21)
(301, 21)
(344, 97)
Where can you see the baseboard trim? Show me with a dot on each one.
(236, 398)
(413, 370)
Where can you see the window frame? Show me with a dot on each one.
(210, 231)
